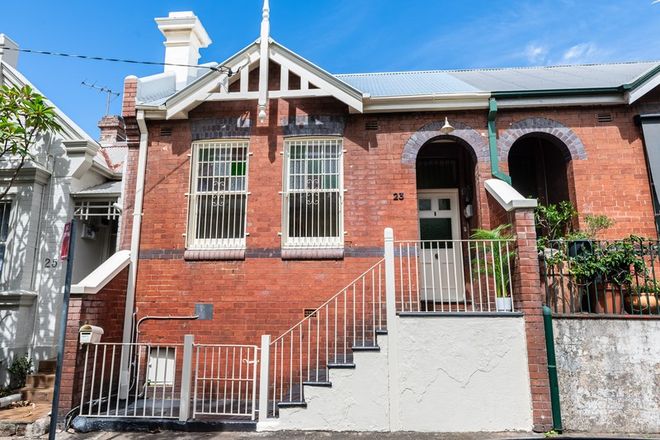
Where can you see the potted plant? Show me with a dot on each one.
(607, 265)
(643, 299)
(496, 263)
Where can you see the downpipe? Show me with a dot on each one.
(492, 143)
(127, 336)
(552, 370)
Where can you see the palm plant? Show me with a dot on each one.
(495, 257)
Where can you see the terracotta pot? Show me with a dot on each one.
(642, 304)
(600, 299)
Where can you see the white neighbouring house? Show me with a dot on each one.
(73, 176)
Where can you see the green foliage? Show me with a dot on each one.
(551, 433)
(613, 262)
(24, 117)
(496, 262)
(5, 391)
(555, 221)
(19, 370)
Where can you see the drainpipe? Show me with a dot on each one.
(492, 143)
(552, 369)
(135, 250)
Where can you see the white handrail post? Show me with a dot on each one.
(392, 330)
(186, 377)
(263, 378)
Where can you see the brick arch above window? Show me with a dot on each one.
(462, 131)
(547, 127)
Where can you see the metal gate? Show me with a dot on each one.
(225, 382)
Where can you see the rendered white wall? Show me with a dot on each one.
(357, 400)
(464, 374)
(458, 374)
(609, 374)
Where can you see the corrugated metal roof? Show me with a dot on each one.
(110, 188)
(407, 83)
(497, 80)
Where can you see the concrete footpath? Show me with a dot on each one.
(338, 436)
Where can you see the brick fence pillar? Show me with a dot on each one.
(529, 299)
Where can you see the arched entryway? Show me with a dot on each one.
(446, 202)
(539, 166)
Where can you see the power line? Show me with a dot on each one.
(220, 69)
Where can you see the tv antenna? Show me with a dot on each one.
(102, 89)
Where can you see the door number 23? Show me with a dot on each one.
(397, 196)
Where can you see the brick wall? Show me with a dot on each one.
(259, 291)
(529, 299)
(104, 309)
(611, 179)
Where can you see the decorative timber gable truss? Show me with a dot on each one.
(215, 86)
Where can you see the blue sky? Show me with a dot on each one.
(339, 35)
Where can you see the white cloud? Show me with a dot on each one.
(536, 53)
(582, 53)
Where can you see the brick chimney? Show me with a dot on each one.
(113, 130)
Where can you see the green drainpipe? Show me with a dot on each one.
(492, 142)
(552, 369)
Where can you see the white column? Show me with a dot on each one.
(186, 377)
(263, 378)
(392, 331)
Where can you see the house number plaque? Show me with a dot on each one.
(397, 196)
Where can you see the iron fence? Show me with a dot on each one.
(618, 277)
(454, 275)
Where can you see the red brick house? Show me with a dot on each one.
(263, 185)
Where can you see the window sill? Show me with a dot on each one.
(213, 254)
(313, 253)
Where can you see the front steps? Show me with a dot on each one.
(331, 403)
(39, 387)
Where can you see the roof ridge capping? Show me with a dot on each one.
(492, 69)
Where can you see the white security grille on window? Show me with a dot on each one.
(5, 209)
(313, 194)
(218, 196)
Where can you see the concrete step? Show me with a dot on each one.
(47, 366)
(37, 395)
(40, 380)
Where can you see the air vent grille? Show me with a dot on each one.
(604, 117)
(371, 125)
(309, 312)
(166, 131)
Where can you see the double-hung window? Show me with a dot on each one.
(218, 195)
(313, 194)
(5, 210)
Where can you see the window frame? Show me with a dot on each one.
(215, 244)
(312, 243)
(6, 206)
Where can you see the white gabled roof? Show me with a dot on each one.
(70, 130)
(157, 91)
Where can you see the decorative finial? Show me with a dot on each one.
(266, 9)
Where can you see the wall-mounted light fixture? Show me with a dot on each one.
(447, 128)
(262, 113)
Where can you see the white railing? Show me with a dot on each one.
(225, 380)
(454, 275)
(327, 337)
(153, 391)
(164, 379)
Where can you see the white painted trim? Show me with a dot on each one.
(70, 131)
(642, 90)
(507, 196)
(563, 101)
(251, 96)
(102, 275)
(319, 78)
